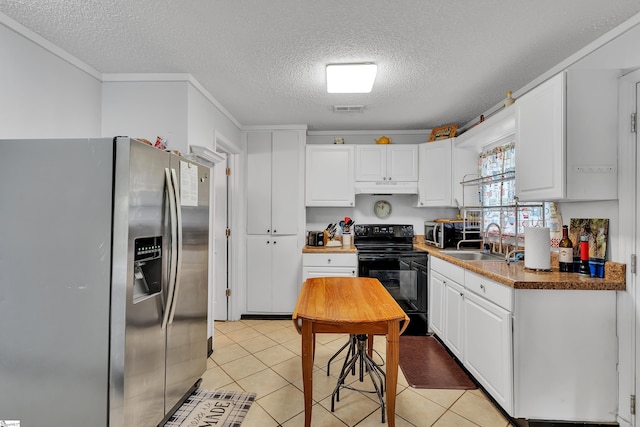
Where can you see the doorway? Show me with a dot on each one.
(224, 228)
(221, 269)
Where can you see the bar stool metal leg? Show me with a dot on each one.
(377, 375)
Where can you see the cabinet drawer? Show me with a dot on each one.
(495, 292)
(447, 269)
(330, 260)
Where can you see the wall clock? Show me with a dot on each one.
(382, 209)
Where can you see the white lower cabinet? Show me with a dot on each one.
(453, 317)
(436, 302)
(488, 347)
(541, 354)
(329, 265)
(273, 275)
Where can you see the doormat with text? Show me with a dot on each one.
(212, 408)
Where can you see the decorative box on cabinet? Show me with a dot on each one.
(330, 175)
(566, 145)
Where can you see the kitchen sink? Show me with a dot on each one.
(473, 255)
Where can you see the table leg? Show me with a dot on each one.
(393, 356)
(307, 368)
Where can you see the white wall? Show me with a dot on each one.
(402, 212)
(146, 109)
(43, 95)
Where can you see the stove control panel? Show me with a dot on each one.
(383, 230)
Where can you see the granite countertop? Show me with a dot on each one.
(516, 276)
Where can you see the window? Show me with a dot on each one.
(497, 195)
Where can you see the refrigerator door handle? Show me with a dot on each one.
(174, 243)
(176, 186)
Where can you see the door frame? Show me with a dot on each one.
(628, 301)
(232, 150)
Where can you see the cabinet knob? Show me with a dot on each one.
(461, 294)
(268, 231)
(329, 261)
(274, 231)
(274, 242)
(482, 287)
(268, 242)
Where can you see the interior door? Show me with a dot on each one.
(221, 244)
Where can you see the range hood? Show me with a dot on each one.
(386, 187)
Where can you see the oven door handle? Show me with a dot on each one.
(373, 258)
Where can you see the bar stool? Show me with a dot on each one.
(358, 352)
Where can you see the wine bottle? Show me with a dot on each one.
(565, 253)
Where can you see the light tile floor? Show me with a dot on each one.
(263, 356)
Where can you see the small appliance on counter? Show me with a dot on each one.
(315, 238)
(447, 233)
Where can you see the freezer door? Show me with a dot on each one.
(55, 265)
(140, 270)
(187, 327)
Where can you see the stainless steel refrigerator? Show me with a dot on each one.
(103, 281)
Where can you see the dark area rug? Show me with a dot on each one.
(427, 364)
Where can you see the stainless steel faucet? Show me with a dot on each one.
(486, 235)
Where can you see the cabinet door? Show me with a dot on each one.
(435, 184)
(330, 175)
(436, 303)
(371, 163)
(284, 183)
(453, 317)
(488, 348)
(540, 142)
(402, 163)
(259, 282)
(286, 263)
(259, 183)
(464, 164)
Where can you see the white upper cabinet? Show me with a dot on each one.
(272, 182)
(566, 138)
(330, 175)
(382, 162)
(540, 147)
(435, 183)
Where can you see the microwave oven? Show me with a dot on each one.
(448, 233)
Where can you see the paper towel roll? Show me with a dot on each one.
(537, 248)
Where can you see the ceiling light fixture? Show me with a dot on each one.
(351, 78)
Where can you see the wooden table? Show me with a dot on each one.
(350, 305)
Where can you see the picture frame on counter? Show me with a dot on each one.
(443, 132)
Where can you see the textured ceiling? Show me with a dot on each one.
(439, 62)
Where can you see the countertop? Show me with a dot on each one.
(329, 249)
(516, 276)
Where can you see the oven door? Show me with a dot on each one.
(400, 276)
